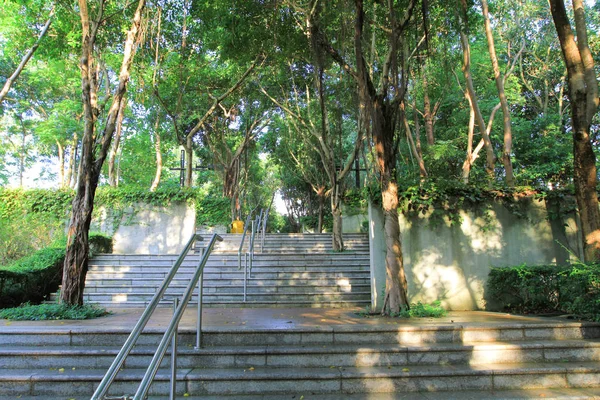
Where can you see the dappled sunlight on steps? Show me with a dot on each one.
(293, 270)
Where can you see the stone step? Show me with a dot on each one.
(308, 274)
(214, 280)
(312, 356)
(220, 265)
(238, 302)
(311, 297)
(523, 394)
(324, 380)
(228, 288)
(190, 260)
(236, 334)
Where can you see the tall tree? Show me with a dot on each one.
(583, 95)
(95, 143)
(507, 150)
(379, 105)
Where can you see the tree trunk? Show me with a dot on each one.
(77, 252)
(189, 154)
(321, 199)
(336, 212)
(396, 286)
(464, 41)
(506, 152)
(11, 79)
(427, 115)
(61, 164)
(583, 93)
(71, 165)
(112, 175)
(158, 153)
(466, 169)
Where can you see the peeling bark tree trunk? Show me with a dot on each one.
(71, 165)
(464, 41)
(77, 252)
(507, 150)
(61, 164)
(427, 115)
(11, 79)
(583, 93)
(466, 169)
(321, 199)
(112, 175)
(158, 153)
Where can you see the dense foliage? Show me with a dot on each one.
(43, 312)
(34, 277)
(546, 289)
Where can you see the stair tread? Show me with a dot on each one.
(317, 348)
(312, 373)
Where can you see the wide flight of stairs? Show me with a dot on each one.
(291, 270)
(441, 361)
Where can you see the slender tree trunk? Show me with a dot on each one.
(466, 169)
(336, 212)
(77, 252)
(158, 153)
(464, 41)
(321, 200)
(428, 115)
(61, 164)
(11, 79)
(112, 175)
(71, 165)
(507, 150)
(583, 93)
(189, 158)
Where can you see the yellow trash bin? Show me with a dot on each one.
(237, 226)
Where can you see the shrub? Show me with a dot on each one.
(420, 310)
(40, 312)
(546, 288)
(33, 278)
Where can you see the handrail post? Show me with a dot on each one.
(245, 274)
(174, 354)
(242, 241)
(199, 316)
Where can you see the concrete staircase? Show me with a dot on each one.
(292, 270)
(387, 360)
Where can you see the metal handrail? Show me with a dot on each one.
(110, 375)
(243, 239)
(114, 368)
(173, 325)
(255, 229)
(264, 229)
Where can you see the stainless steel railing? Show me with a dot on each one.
(242, 241)
(264, 229)
(142, 391)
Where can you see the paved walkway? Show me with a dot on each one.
(277, 319)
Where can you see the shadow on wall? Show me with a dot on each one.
(451, 262)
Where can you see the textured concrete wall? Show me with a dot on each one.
(451, 262)
(147, 229)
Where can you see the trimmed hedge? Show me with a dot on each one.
(545, 289)
(32, 278)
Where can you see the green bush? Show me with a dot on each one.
(545, 289)
(41, 312)
(33, 278)
(420, 310)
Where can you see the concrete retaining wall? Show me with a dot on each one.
(147, 229)
(451, 263)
